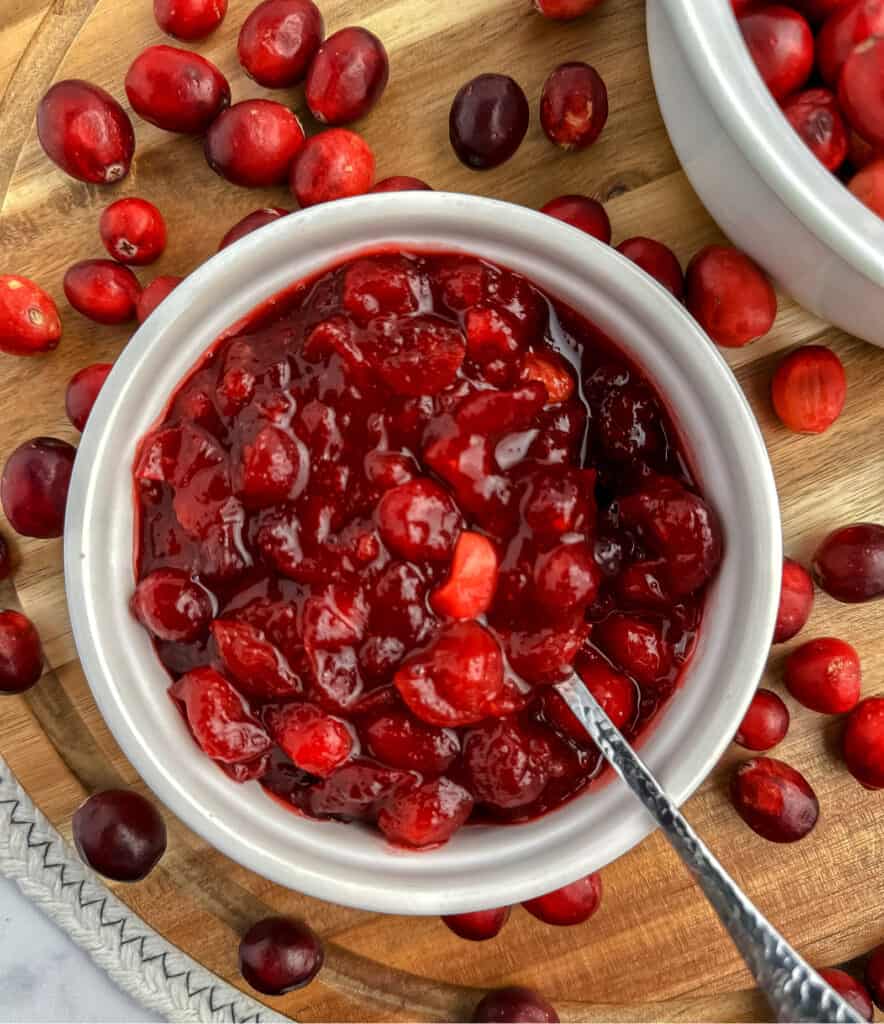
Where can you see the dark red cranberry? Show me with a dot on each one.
(177, 90)
(82, 391)
(565, 10)
(119, 834)
(853, 23)
(401, 183)
(154, 294)
(403, 741)
(489, 118)
(34, 487)
(572, 904)
(781, 44)
(729, 295)
(796, 601)
(816, 11)
(5, 559)
(816, 117)
(133, 231)
(861, 90)
(251, 222)
(29, 321)
(864, 743)
(853, 992)
(765, 724)
(875, 975)
(774, 800)
(581, 212)
(514, 1005)
(347, 77)
(824, 675)
(279, 955)
(189, 19)
(172, 605)
(21, 656)
(253, 143)
(574, 105)
(657, 260)
(335, 164)
(278, 40)
(418, 520)
(426, 816)
(478, 925)
(102, 290)
(849, 564)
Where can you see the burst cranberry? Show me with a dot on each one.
(133, 231)
(853, 992)
(176, 90)
(278, 40)
(616, 694)
(875, 975)
(808, 389)
(316, 742)
(824, 675)
(861, 90)
(189, 19)
(154, 294)
(817, 11)
(508, 764)
(565, 10)
(781, 44)
(379, 287)
(489, 118)
(332, 165)
(34, 487)
(849, 564)
(401, 183)
(402, 741)
(581, 212)
(816, 117)
(572, 904)
(567, 577)
(559, 502)
(119, 834)
(864, 743)
(358, 790)
(172, 605)
(859, 152)
(637, 647)
(478, 925)
(796, 601)
(868, 186)
(774, 800)
(102, 290)
(765, 724)
(469, 589)
(271, 469)
(515, 1005)
(850, 25)
(657, 260)
(29, 322)
(252, 222)
(419, 520)
(257, 666)
(254, 143)
(82, 391)
(279, 955)
(730, 296)
(21, 656)
(426, 816)
(347, 77)
(86, 132)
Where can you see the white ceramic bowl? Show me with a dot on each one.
(481, 867)
(756, 177)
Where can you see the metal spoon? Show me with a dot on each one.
(792, 987)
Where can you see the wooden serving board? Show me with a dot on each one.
(654, 951)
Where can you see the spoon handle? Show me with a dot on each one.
(793, 988)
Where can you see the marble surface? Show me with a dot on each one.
(45, 977)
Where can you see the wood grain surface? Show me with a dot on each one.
(654, 951)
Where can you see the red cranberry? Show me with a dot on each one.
(808, 389)
(278, 40)
(875, 975)
(315, 741)
(824, 675)
(796, 601)
(279, 955)
(861, 90)
(616, 694)
(332, 165)
(637, 647)
(515, 1005)
(574, 105)
(849, 564)
(154, 294)
(864, 743)
(172, 605)
(402, 741)
(852, 24)
(347, 77)
(657, 260)
(82, 391)
(419, 520)
(730, 296)
(176, 90)
(34, 487)
(781, 44)
(21, 656)
(581, 212)
(816, 11)
(426, 816)
(853, 992)
(29, 322)
(570, 905)
(251, 222)
(401, 183)
(260, 671)
(816, 117)
(86, 132)
(478, 925)
(489, 118)
(5, 559)
(868, 186)
(102, 290)
(469, 589)
(565, 10)
(189, 19)
(567, 577)
(774, 800)
(133, 231)
(765, 724)
(254, 143)
(119, 834)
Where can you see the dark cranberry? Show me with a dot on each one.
(816, 117)
(864, 743)
(21, 656)
(5, 559)
(824, 675)
(781, 44)
(403, 741)
(102, 290)
(514, 1005)
(82, 391)
(177, 90)
(172, 605)
(574, 105)
(251, 222)
(774, 800)
(853, 992)
(333, 165)
(581, 212)
(34, 487)
(875, 975)
(570, 905)
(796, 601)
(119, 834)
(279, 955)
(426, 816)
(765, 724)
(657, 260)
(489, 118)
(347, 77)
(401, 183)
(478, 925)
(254, 142)
(849, 564)
(189, 19)
(278, 40)
(154, 294)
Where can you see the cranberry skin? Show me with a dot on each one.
(729, 296)
(868, 186)
(251, 222)
(824, 675)
(565, 10)
(176, 90)
(808, 389)
(119, 834)
(86, 132)
(29, 321)
(278, 40)
(655, 259)
(488, 121)
(154, 294)
(574, 105)
(279, 955)
(581, 212)
(774, 800)
(34, 486)
(570, 905)
(781, 44)
(515, 1005)
(849, 26)
(102, 290)
(172, 605)
(861, 90)
(853, 992)
(849, 564)
(796, 601)
(133, 231)
(478, 925)
(333, 165)
(347, 77)
(21, 656)
(816, 117)
(875, 975)
(864, 745)
(189, 19)
(253, 143)
(765, 724)
(82, 391)
(401, 183)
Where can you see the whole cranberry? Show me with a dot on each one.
(133, 231)
(868, 186)
(82, 390)
(5, 559)
(875, 975)
(478, 925)
(401, 183)
(796, 601)
(86, 132)
(657, 260)
(849, 564)
(279, 955)
(514, 1005)
(251, 222)
(119, 834)
(774, 800)
(154, 294)
(853, 992)
(765, 724)
(861, 90)
(816, 117)
(565, 10)
(824, 675)
(253, 143)
(729, 296)
(781, 44)
(570, 905)
(189, 19)
(864, 743)
(34, 486)
(581, 212)
(808, 389)
(102, 290)
(21, 656)
(852, 24)
(172, 605)
(177, 90)
(488, 121)
(347, 77)
(29, 321)
(332, 165)
(278, 40)
(574, 105)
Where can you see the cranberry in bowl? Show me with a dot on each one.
(366, 485)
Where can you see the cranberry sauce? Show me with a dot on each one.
(384, 514)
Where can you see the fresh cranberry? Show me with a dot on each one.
(29, 321)
(133, 231)
(488, 121)
(657, 260)
(781, 44)
(516, 1004)
(86, 132)
(570, 905)
(419, 520)
(172, 605)
(849, 564)
(119, 834)
(864, 743)
(853, 992)
(426, 816)
(402, 741)
(252, 222)
(478, 925)
(332, 165)
(34, 487)
(552, 372)
(258, 667)
(82, 391)
(279, 955)
(469, 589)
(853, 23)
(177, 90)
(102, 290)
(824, 675)
(861, 90)
(874, 975)
(347, 77)
(574, 105)
(581, 212)
(565, 10)
(315, 741)
(808, 389)
(774, 800)
(730, 296)
(765, 724)
(816, 117)
(189, 19)
(154, 294)
(401, 183)
(868, 186)
(5, 559)
(278, 40)
(21, 656)
(253, 143)
(796, 601)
